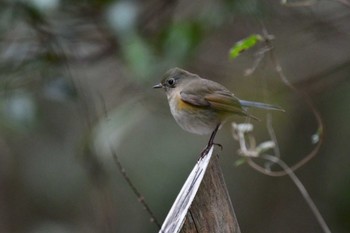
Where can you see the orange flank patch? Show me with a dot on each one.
(182, 105)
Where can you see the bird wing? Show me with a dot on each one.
(213, 95)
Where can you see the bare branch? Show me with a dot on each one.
(320, 131)
(140, 198)
(302, 190)
(243, 131)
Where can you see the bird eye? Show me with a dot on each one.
(171, 82)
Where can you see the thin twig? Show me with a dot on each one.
(258, 58)
(140, 198)
(308, 101)
(301, 188)
(304, 97)
(273, 137)
(242, 133)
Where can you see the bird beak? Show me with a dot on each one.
(159, 85)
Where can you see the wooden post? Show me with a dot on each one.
(211, 210)
(203, 204)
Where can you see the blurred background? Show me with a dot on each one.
(76, 80)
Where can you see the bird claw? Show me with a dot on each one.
(207, 148)
(204, 152)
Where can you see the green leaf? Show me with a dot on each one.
(244, 44)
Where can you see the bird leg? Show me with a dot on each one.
(211, 142)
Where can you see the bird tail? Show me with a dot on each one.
(246, 103)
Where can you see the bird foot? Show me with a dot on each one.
(207, 148)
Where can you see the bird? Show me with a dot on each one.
(201, 106)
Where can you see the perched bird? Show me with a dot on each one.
(201, 106)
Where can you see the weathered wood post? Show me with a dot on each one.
(203, 204)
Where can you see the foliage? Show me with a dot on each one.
(244, 44)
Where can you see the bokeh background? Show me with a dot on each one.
(76, 80)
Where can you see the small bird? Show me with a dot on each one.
(202, 106)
